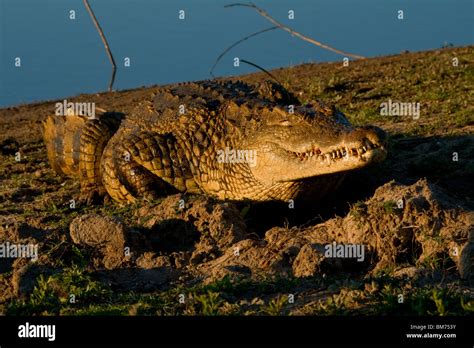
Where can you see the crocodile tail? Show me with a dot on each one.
(62, 136)
(75, 143)
(94, 137)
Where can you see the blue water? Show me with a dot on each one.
(61, 57)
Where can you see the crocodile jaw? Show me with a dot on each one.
(356, 149)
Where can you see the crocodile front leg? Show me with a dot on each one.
(145, 165)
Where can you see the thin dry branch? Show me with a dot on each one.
(104, 40)
(293, 32)
(262, 69)
(236, 43)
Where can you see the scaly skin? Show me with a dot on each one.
(176, 142)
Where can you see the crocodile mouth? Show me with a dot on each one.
(344, 152)
(306, 159)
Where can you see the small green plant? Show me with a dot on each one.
(209, 302)
(436, 261)
(389, 297)
(390, 207)
(72, 287)
(358, 209)
(275, 306)
(438, 298)
(333, 305)
(467, 306)
(78, 256)
(42, 297)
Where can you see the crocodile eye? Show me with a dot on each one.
(285, 123)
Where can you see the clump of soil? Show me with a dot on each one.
(199, 226)
(106, 235)
(399, 226)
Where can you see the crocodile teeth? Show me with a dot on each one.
(340, 153)
(368, 144)
(314, 152)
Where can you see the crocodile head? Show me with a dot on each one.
(312, 141)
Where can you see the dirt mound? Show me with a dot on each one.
(106, 235)
(198, 226)
(400, 230)
(170, 236)
(399, 226)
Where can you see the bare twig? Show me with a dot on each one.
(292, 32)
(259, 67)
(104, 40)
(236, 43)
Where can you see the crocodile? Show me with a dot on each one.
(225, 139)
